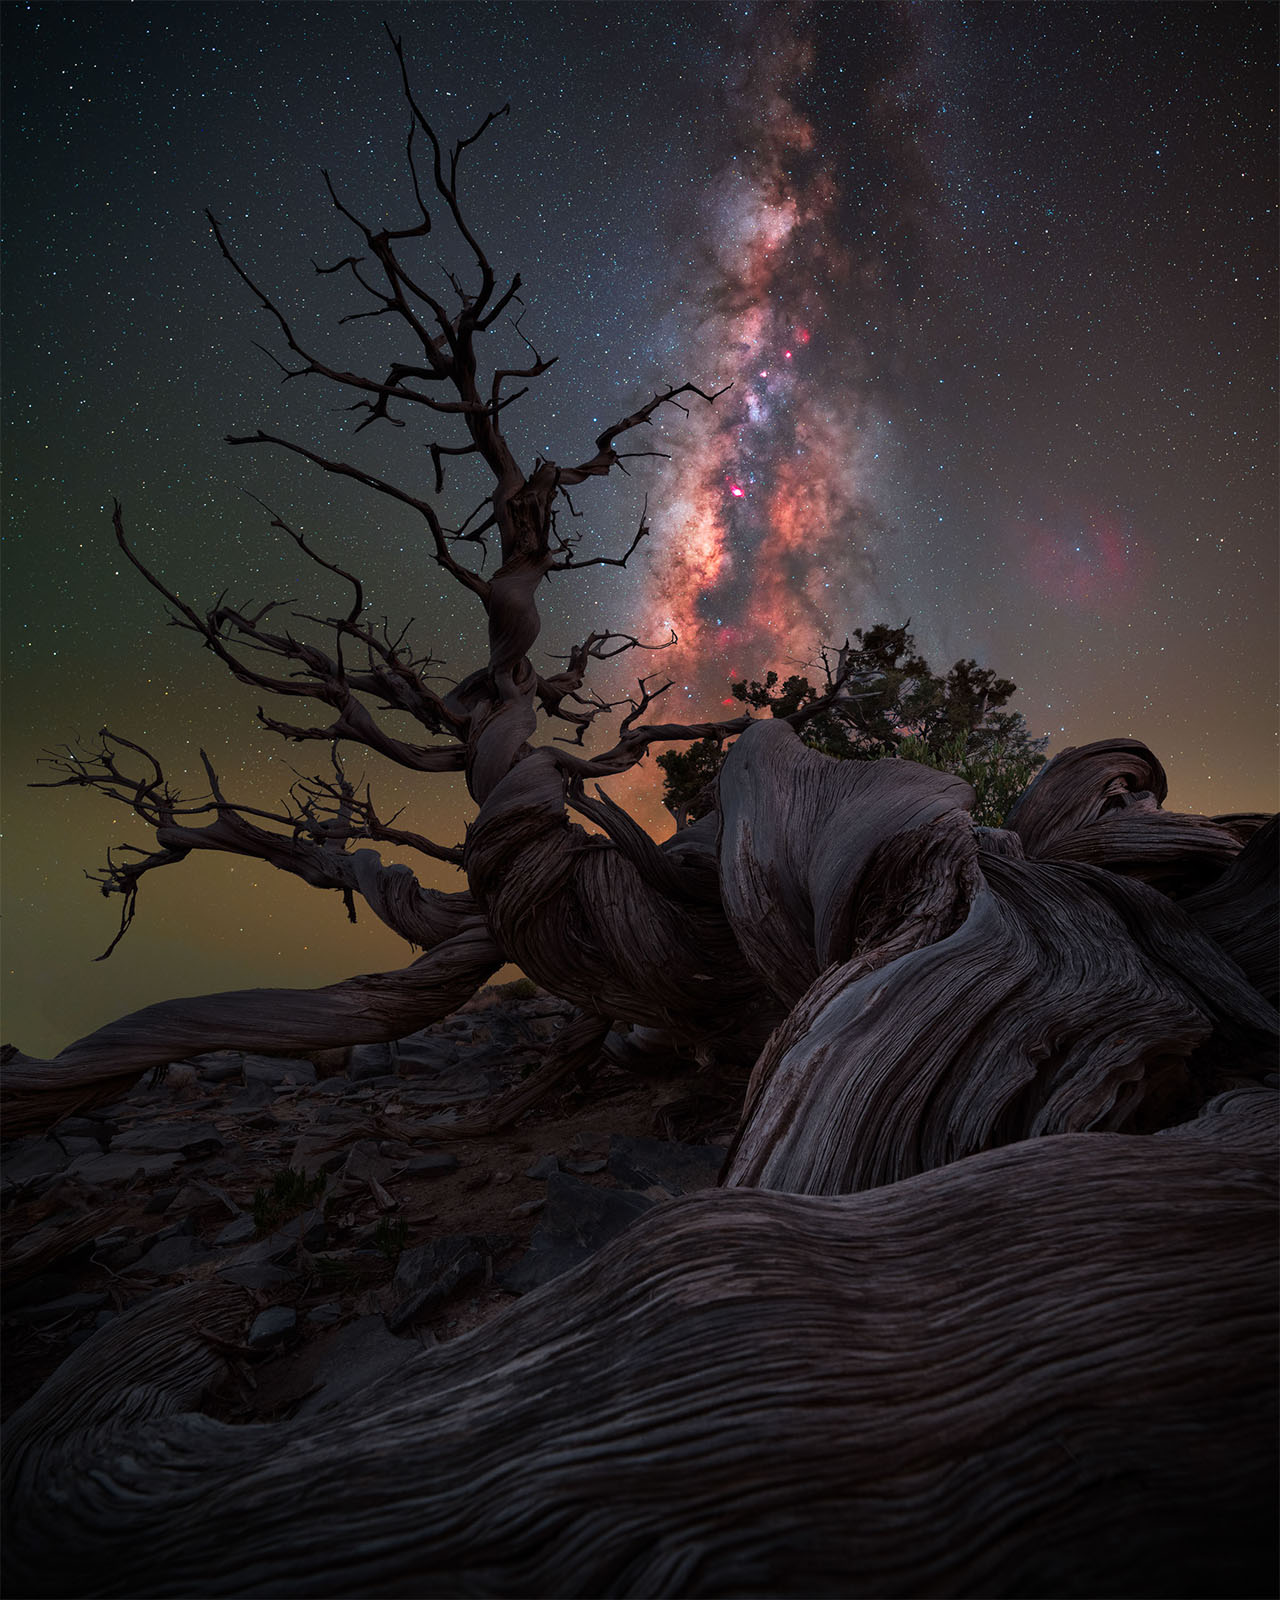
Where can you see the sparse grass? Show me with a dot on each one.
(518, 989)
(288, 1193)
(390, 1237)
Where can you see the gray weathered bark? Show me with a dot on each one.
(1044, 1370)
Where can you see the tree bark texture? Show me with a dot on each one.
(986, 1304)
(364, 1010)
(1042, 1370)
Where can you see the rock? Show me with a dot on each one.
(276, 1072)
(429, 1273)
(526, 1208)
(117, 1257)
(184, 1227)
(172, 1255)
(33, 1159)
(81, 1128)
(75, 1146)
(369, 1061)
(429, 1164)
(588, 1146)
(309, 1231)
(423, 1054)
(325, 1316)
(677, 1168)
(353, 1357)
(219, 1066)
(240, 1230)
(315, 1153)
(578, 1219)
(122, 1166)
(189, 1139)
(161, 1200)
(251, 1098)
(584, 1169)
(364, 1164)
(272, 1326)
(543, 1167)
(331, 1063)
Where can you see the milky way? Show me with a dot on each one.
(1032, 248)
(767, 532)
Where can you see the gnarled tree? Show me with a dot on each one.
(986, 1302)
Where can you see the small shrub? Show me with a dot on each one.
(390, 1236)
(520, 989)
(289, 1192)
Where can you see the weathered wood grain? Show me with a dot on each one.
(34, 1094)
(1045, 1370)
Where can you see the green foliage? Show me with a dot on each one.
(289, 1192)
(390, 1236)
(518, 989)
(881, 698)
(688, 790)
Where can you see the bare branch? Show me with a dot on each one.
(642, 532)
(469, 580)
(606, 458)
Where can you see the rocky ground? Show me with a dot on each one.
(322, 1190)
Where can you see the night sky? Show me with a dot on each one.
(994, 286)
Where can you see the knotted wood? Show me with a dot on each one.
(1044, 1370)
(364, 1010)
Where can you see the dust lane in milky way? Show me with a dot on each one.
(766, 535)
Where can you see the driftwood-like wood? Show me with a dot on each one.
(382, 1005)
(1067, 998)
(1240, 911)
(1045, 1370)
(985, 1305)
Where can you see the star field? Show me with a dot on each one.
(1031, 249)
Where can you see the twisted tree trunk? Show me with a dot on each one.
(35, 1094)
(958, 1324)
(1017, 1375)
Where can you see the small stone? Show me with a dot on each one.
(526, 1208)
(187, 1138)
(117, 1257)
(579, 1218)
(123, 1167)
(502, 1177)
(584, 1169)
(38, 1159)
(161, 1200)
(364, 1164)
(349, 1360)
(182, 1229)
(238, 1231)
(543, 1167)
(77, 1146)
(369, 1061)
(218, 1066)
(80, 1128)
(678, 1168)
(429, 1273)
(314, 1154)
(272, 1326)
(273, 1071)
(430, 1164)
(325, 1316)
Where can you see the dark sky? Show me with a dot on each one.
(994, 285)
